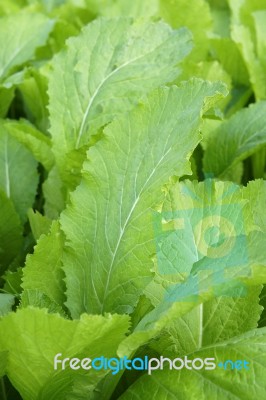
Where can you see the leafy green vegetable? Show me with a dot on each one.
(213, 322)
(125, 174)
(46, 335)
(132, 199)
(105, 77)
(193, 384)
(197, 267)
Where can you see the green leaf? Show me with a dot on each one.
(196, 262)
(203, 384)
(35, 98)
(53, 194)
(43, 271)
(10, 6)
(117, 8)
(39, 224)
(10, 232)
(25, 33)
(102, 74)
(122, 182)
(13, 281)
(248, 32)
(233, 65)
(235, 140)
(33, 337)
(18, 172)
(35, 141)
(35, 298)
(6, 304)
(47, 5)
(221, 17)
(6, 97)
(180, 13)
(215, 321)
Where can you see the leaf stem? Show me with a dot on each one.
(3, 389)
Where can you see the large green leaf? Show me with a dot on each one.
(33, 337)
(210, 242)
(18, 172)
(235, 140)
(215, 321)
(203, 384)
(102, 74)
(108, 224)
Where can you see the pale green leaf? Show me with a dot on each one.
(35, 298)
(233, 65)
(221, 17)
(20, 35)
(6, 303)
(48, 5)
(18, 172)
(180, 13)
(216, 384)
(117, 8)
(248, 32)
(43, 271)
(103, 73)
(122, 182)
(13, 281)
(212, 322)
(235, 140)
(33, 337)
(39, 223)
(35, 141)
(53, 194)
(209, 243)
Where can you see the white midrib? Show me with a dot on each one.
(7, 178)
(86, 114)
(88, 108)
(125, 226)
